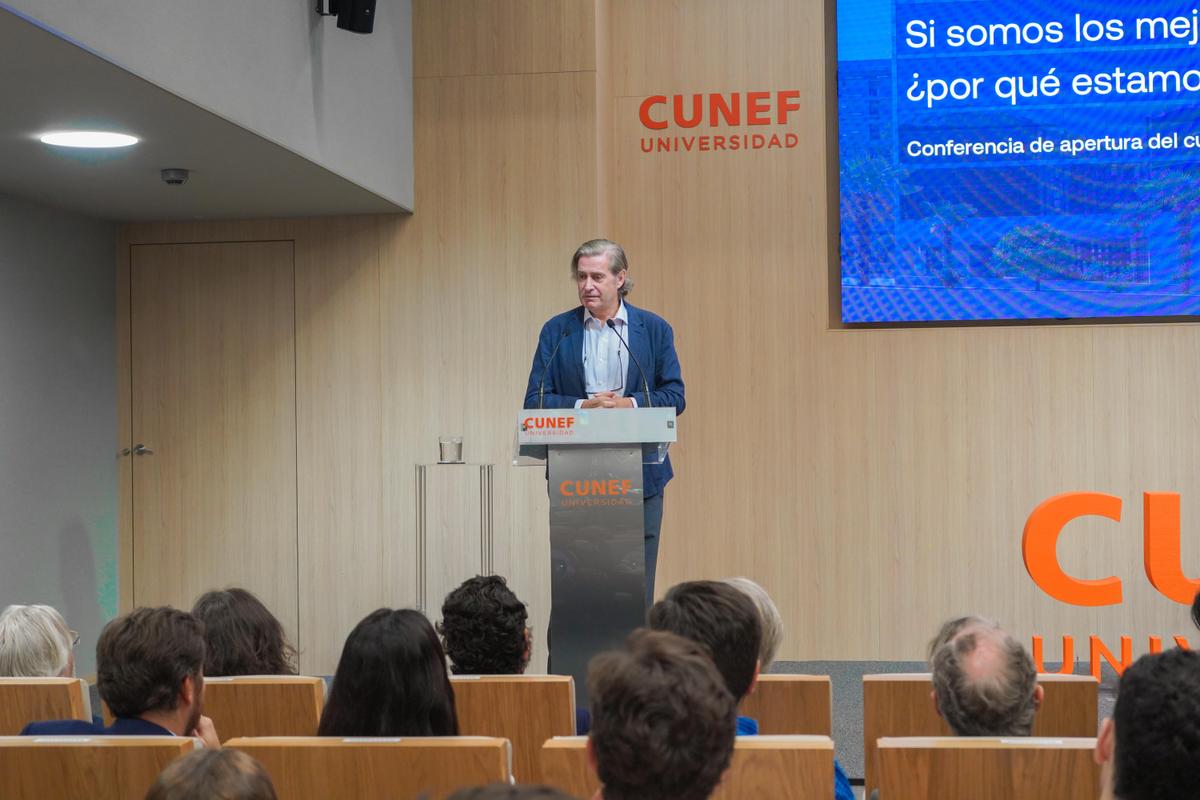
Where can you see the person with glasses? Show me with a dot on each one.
(35, 642)
(581, 362)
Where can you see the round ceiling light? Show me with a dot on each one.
(91, 139)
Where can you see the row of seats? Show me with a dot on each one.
(528, 710)
(325, 768)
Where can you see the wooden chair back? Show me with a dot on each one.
(264, 705)
(791, 704)
(96, 767)
(899, 705)
(779, 767)
(525, 709)
(331, 768)
(987, 768)
(25, 700)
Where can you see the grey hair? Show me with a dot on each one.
(772, 622)
(34, 642)
(997, 704)
(953, 627)
(616, 260)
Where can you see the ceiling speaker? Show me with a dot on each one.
(355, 15)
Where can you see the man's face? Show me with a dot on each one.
(598, 287)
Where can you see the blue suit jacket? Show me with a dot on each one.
(77, 727)
(652, 342)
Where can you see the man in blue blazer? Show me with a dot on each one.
(581, 362)
(149, 669)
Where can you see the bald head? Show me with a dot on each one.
(984, 682)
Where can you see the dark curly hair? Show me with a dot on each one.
(484, 628)
(391, 681)
(1157, 719)
(243, 637)
(663, 722)
(143, 658)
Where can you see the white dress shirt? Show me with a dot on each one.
(605, 360)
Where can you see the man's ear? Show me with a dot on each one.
(933, 699)
(621, 278)
(754, 680)
(1039, 694)
(187, 691)
(1105, 742)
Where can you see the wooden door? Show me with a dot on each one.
(214, 402)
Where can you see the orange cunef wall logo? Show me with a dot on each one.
(1161, 560)
(1160, 542)
(709, 123)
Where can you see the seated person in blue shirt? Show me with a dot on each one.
(150, 673)
(662, 720)
(727, 622)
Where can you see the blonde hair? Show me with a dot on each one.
(772, 622)
(34, 642)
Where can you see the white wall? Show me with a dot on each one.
(58, 409)
(340, 99)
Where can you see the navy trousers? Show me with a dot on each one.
(652, 510)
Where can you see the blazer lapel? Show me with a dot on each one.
(640, 346)
(574, 347)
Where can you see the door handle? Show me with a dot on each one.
(141, 450)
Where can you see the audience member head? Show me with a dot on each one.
(213, 775)
(483, 626)
(1150, 748)
(35, 643)
(663, 721)
(721, 618)
(391, 681)
(984, 682)
(506, 791)
(768, 615)
(243, 637)
(150, 665)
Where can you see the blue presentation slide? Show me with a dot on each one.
(1018, 160)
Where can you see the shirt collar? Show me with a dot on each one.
(621, 316)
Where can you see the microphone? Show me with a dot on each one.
(645, 383)
(546, 366)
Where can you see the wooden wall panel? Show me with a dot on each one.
(875, 481)
(350, 564)
(506, 192)
(486, 37)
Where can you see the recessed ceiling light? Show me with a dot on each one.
(88, 139)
